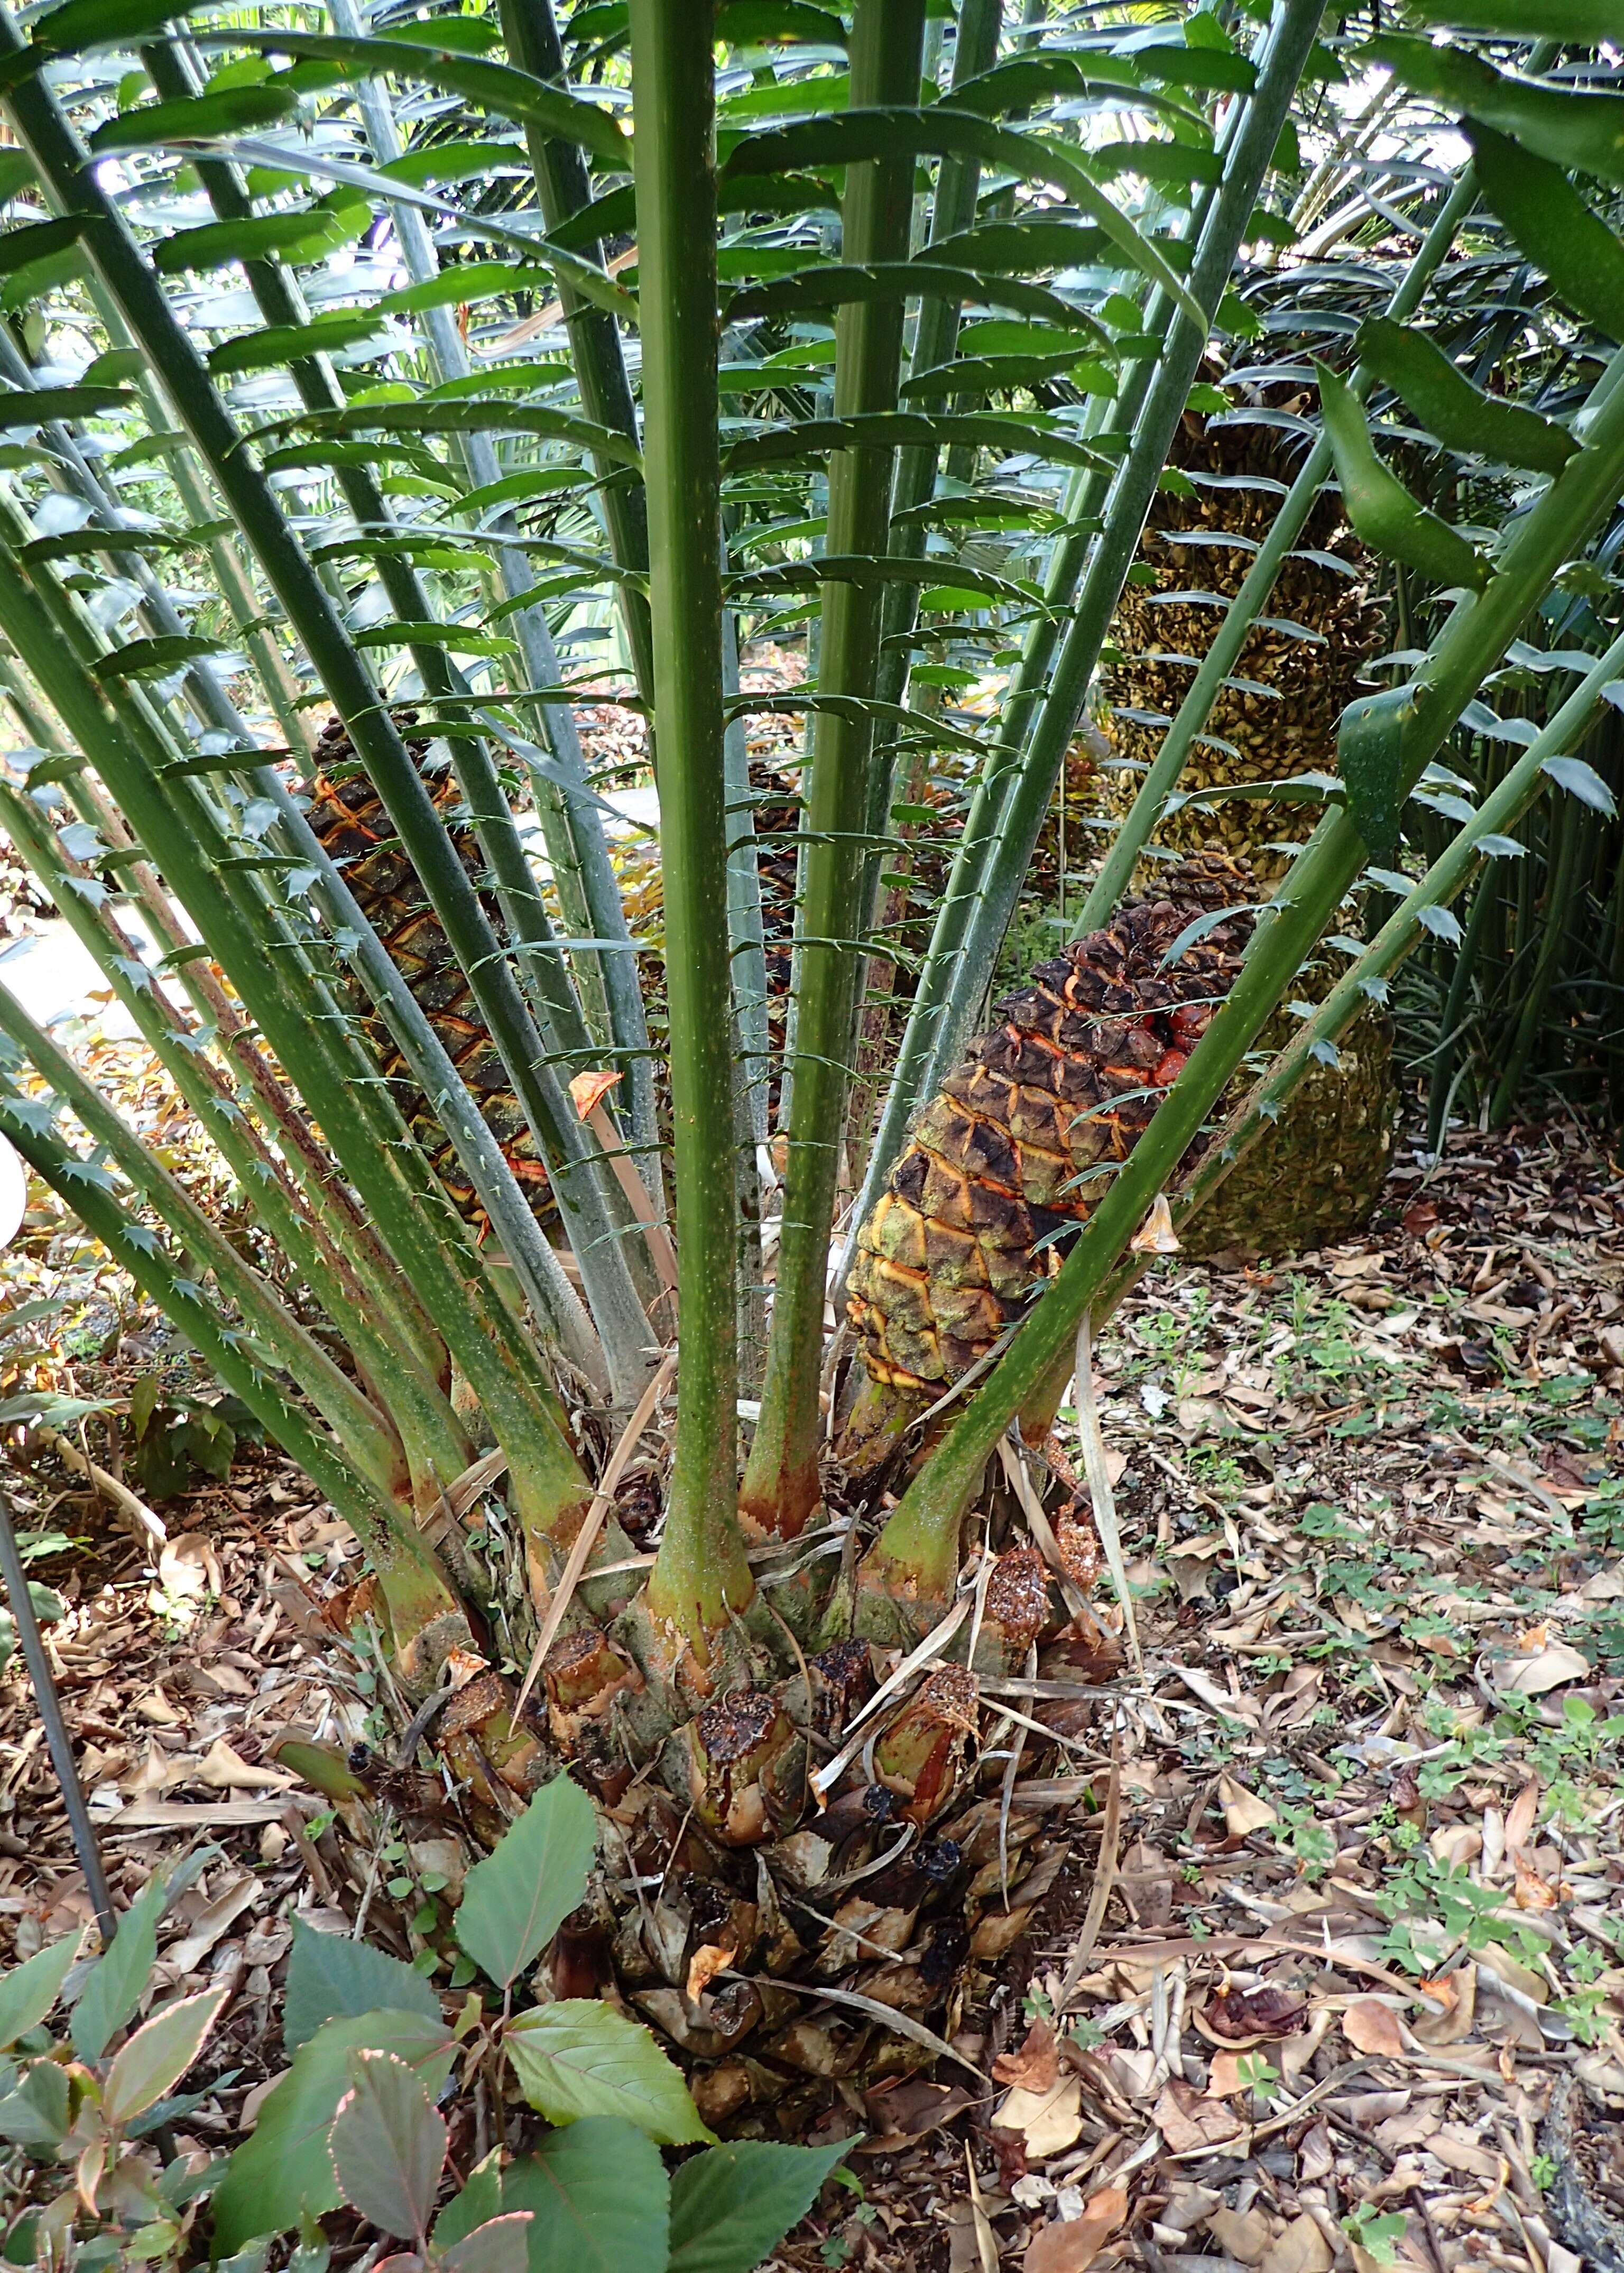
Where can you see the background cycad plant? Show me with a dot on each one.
(354, 372)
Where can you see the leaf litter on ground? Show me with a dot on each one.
(1361, 1820)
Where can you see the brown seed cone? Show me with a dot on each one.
(1276, 715)
(1315, 1177)
(357, 834)
(1002, 1155)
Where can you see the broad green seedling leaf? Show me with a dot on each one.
(514, 1901)
(581, 2058)
(479, 2201)
(497, 2246)
(330, 1975)
(28, 1991)
(158, 2055)
(730, 2206)
(284, 2172)
(113, 1987)
(600, 2197)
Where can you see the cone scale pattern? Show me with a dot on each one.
(1315, 1177)
(1276, 716)
(1003, 1156)
(357, 835)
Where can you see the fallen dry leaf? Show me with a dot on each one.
(906, 2112)
(1532, 1677)
(588, 1090)
(1144, 1879)
(182, 1815)
(1071, 2244)
(1523, 1978)
(1224, 2078)
(1458, 1992)
(1533, 1892)
(1049, 2121)
(986, 2238)
(1135, 2071)
(1412, 2127)
(188, 1568)
(1301, 2248)
(249, 2114)
(1245, 2235)
(1403, 2255)
(1157, 1235)
(212, 1923)
(1244, 1813)
(1294, 2053)
(1251, 2016)
(1372, 2027)
(1522, 1814)
(1315, 2155)
(710, 1959)
(1456, 2151)
(222, 1770)
(1034, 2064)
(1189, 2122)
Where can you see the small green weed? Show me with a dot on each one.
(1378, 2232)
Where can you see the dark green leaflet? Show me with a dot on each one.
(1445, 401)
(1553, 226)
(201, 118)
(1581, 131)
(1379, 506)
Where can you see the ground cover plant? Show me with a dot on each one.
(885, 332)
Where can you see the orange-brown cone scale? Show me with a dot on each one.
(1002, 1156)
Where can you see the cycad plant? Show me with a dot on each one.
(328, 405)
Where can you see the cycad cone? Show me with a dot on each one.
(348, 816)
(1315, 1177)
(1018, 1144)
